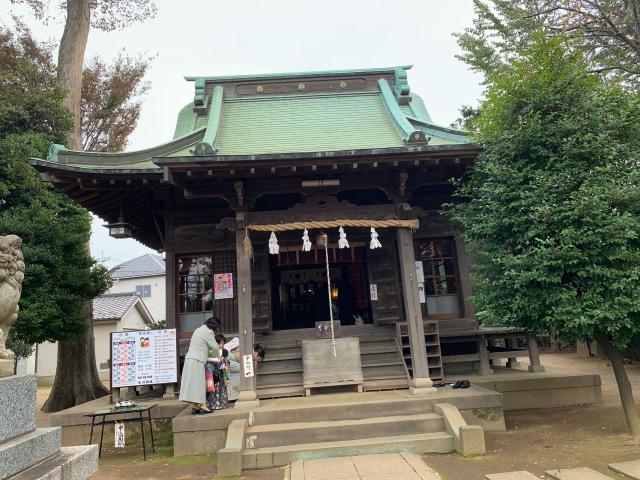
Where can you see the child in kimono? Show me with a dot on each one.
(218, 377)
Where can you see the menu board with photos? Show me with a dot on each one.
(143, 357)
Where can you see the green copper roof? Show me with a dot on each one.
(342, 110)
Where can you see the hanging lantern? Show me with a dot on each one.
(274, 248)
(120, 229)
(306, 243)
(342, 241)
(375, 243)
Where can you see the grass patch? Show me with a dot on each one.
(163, 455)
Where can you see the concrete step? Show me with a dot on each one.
(70, 463)
(339, 430)
(344, 410)
(439, 442)
(27, 450)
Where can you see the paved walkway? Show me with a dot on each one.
(388, 466)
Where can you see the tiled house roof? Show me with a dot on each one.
(147, 265)
(113, 306)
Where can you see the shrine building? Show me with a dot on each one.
(256, 163)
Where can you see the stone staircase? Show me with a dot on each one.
(280, 374)
(275, 437)
(30, 453)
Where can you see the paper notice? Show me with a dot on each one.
(247, 361)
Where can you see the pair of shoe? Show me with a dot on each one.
(200, 411)
(439, 385)
(461, 384)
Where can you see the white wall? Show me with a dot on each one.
(156, 303)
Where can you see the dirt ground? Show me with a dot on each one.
(540, 440)
(535, 440)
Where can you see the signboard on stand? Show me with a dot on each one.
(144, 357)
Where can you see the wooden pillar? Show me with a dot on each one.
(534, 355)
(421, 380)
(465, 280)
(247, 397)
(485, 366)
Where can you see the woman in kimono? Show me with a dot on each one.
(193, 387)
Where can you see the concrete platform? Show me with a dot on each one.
(523, 390)
(631, 469)
(405, 466)
(521, 475)
(24, 451)
(76, 427)
(581, 473)
(333, 415)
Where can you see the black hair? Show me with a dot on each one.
(259, 349)
(220, 338)
(225, 353)
(213, 323)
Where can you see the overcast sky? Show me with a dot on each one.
(209, 37)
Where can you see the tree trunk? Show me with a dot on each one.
(76, 378)
(70, 62)
(624, 386)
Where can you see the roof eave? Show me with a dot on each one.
(282, 75)
(331, 154)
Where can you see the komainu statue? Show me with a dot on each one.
(11, 276)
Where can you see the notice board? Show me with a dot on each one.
(144, 357)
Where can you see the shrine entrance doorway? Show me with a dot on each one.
(299, 286)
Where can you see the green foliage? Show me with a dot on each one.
(19, 347)
(158, 324)
(606, 32)
(552, 216)
(467, 118)
(60, 276)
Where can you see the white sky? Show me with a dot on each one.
(205, 37)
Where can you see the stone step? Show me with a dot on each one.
(27, 450)
(385, 358)
(338, 430)
(344, 410)
(631, 468)
(438, 442)
(275, 356)
(581, 473)
(521, 475)
(70, 463)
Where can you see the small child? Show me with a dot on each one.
(218, 376)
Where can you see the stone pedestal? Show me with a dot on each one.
(27, 452)
(6, 368)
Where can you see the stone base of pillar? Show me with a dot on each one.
(514, 364)
(247, 404)
(170, 391)
(247, 399)
(422, 382)
(536, 368)
(422, 392)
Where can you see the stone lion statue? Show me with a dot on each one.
(11, 276)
